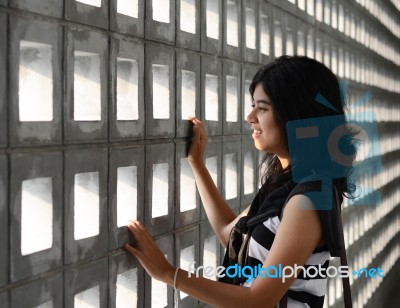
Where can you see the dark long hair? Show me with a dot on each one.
(293, 83)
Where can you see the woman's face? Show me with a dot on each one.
(267, 135)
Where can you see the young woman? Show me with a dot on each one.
(276, 230)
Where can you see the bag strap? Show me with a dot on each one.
(343, 261)
(343, 257)
(283, 301)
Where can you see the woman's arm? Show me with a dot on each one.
(298, 234)
(220, 215)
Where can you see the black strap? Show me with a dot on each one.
(343, 258)
(283, 301)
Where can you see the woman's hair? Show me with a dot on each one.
(292, 83)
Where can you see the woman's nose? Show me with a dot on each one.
(250, 117)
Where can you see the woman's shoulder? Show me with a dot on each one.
(322, 198)
(321, 192)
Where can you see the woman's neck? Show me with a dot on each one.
(284, 160)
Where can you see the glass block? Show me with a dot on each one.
(96, 3)
(35, 82)
(265, 36)
(48, 304)
(210, 254)
(289, 42)
(301, 43)
(341, 18)
(247, 99)
(188, 16)
(36, 215)
(126, 195)
(127, 90)
(232, 23)
(327, 57)
(211, 99)
(188, 100)
(187, 187)
(87, 87)
(248, 174)
(160, 190)
(347, 65)
(86, 204)
(319, 55)
(277, 39)
(319, 10)
(353, 67)
(159, 294)
(231, 99)
(126, 289)
(331, 292)
(310, 46)
(301, 4)
(327, 12)
(161, 10)
(352, 26)
(212, 19)
(334, 16)
(347, 24)
(89, 298)
(250, 28)
(334, 61)
(186, 258)
(212, 166)
(128, 7)
(310, 7)
(161, 91)
(339, 288)
(231, 176)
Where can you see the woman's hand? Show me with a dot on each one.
(149, 254)
(199, 142)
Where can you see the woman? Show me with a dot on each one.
(279, 231)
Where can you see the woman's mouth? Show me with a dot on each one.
(256, 133)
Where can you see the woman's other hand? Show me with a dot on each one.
(148, 253)
(199, 142)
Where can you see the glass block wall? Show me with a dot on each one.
(94, 100)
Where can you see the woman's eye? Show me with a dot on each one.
(258, 107)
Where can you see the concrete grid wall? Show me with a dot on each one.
(94, 96)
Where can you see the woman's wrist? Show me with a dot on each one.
(196, 163)
(169, 275)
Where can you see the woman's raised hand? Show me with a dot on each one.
(199, 142)
(148, 253)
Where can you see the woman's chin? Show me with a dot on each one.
(259, 147)
(263, 148)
